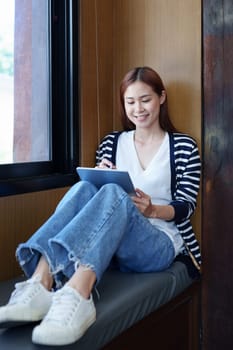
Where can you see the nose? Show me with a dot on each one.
(139, 107)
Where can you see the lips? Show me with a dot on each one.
(141, 116)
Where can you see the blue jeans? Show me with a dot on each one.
(90, 227)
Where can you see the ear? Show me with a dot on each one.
(162, 97)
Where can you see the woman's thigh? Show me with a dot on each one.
(144, 248)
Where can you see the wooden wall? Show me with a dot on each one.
(20, 216)
(96, 74)
(116, 35)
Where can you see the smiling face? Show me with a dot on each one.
(142, 105)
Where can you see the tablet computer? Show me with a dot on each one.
(100, 177)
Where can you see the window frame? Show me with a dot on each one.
(19, 178)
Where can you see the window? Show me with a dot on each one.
(39, 67)
(6, 81)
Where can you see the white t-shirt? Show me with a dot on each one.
(155, 180)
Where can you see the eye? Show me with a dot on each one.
(130, 102)
(146, 101)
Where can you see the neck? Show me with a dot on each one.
(147, 137)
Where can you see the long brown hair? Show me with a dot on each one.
(148, 76)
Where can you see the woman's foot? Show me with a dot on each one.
(69, 316)
(29, 302)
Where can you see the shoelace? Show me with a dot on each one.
(21, 287)
(63, 307)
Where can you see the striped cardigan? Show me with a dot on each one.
(185, 180)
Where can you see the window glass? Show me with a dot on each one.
(24, 81)
(39, 82)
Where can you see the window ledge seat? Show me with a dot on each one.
(133, 310)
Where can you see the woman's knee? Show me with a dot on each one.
(79, 187)
(112, 187)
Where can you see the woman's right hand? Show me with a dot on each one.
(106, 164)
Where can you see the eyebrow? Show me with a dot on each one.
(143, 96)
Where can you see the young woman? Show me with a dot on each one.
(90, 227)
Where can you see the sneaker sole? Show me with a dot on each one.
(54, 343)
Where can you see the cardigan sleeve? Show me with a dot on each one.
(188, 172)
(108, 147)
(181, 210)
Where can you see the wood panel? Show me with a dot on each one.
(96, 101)
(88, 82)
(20, 216)
(217, 235)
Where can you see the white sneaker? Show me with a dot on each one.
(68, 319)
(29, 302)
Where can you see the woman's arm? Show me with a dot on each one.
(107, 148)
(145, 206)
(188, 172)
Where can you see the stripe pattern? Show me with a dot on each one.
(187, 166)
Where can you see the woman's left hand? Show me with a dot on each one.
(143, 203)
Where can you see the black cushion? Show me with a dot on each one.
(125, 298)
